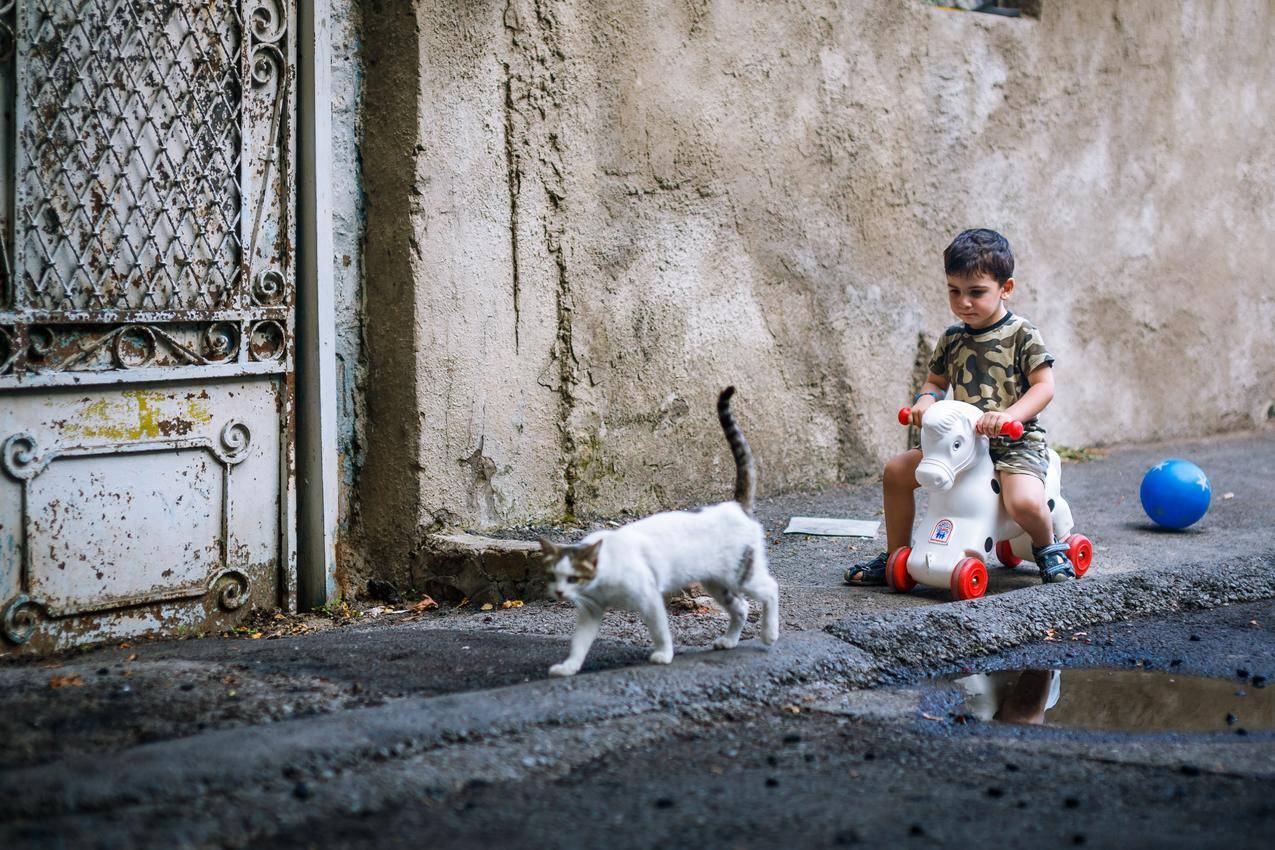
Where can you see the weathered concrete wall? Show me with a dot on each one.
(347, 225)
(587, 216)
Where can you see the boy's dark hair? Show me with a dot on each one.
(978, 252)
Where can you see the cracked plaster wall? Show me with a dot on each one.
(587, 216)
(346, 22)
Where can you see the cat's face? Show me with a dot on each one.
(570, 568)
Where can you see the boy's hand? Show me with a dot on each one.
(918, 409)
(989, 424)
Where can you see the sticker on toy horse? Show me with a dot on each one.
(942, 531)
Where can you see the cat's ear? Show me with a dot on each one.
(549, 550)
(588, 558)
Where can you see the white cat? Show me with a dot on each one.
(720, 546)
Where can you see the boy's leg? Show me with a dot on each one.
(1024, 498)
(899, 486)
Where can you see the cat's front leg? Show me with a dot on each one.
(656, 619)
(587, 625)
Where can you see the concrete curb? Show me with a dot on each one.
(934, 635)
(221, 761)
(453, 567)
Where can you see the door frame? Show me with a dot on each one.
(316, 411)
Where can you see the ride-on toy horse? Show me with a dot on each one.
(966, 520)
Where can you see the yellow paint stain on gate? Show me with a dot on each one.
(138, 415)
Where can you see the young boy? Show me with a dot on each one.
(998, 362)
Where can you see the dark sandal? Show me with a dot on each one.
(1054, 565)
(868, 573)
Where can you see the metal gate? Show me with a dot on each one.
(146, 315)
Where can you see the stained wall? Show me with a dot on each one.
(585, 217)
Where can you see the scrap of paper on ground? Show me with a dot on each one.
(830, 527)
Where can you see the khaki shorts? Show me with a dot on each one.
(1021, 457)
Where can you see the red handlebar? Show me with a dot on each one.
(1012, 429)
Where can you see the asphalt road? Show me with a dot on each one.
(890, 768)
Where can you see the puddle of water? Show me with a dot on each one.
(1118, 700)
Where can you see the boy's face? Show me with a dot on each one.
(978, 300)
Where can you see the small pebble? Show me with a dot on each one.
(917, 829)
(664, 803)
(1190, 770)
(301, 791)
(1011, 767)
(1193, 637)
(792, 738)
(1241, 731)
(1241, 673)
(995, 792)
(1077, 839)
(102, 671)
(1071, 803)
(771, 782)
(1231, 719)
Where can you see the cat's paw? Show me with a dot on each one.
(769, 635)
(661, 656)
(725, 642)
(565, 668)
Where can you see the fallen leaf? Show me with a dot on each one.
(511, 603)
(132, 657)
(72, 681)
(487, 606)
(126, 645)
(255, 635)
(931, 717)
(792, 709)
(424, 605)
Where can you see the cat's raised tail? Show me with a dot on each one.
(745, 469)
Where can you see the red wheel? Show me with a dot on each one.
(896, 570)
(1080, 553)
(1005, 554)
(969, 579)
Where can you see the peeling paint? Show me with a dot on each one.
(138, 415)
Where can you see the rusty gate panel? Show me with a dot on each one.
(146, 314)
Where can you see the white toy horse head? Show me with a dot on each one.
(949, 443)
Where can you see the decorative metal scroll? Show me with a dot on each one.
(23, 459)
(152, 183)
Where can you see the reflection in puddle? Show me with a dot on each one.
(1124, 700)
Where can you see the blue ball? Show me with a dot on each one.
(1175, 493)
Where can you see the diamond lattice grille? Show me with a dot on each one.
(128, 190)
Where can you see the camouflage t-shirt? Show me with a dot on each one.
(989, 367)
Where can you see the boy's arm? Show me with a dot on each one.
(1040, 392)
(938, 383)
